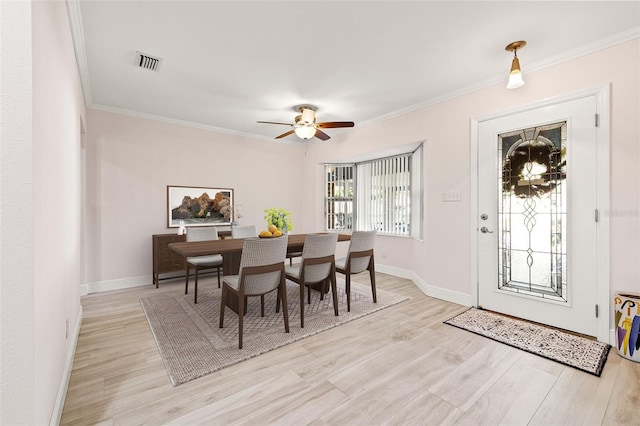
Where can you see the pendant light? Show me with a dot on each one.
(515, 75)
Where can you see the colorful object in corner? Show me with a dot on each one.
(627, 320)
(280, 218)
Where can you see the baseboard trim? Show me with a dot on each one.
(429, 290)
(66, 376)
(119, 284)
(124, 283)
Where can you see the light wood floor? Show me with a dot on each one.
(400, 365)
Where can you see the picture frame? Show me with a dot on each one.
(199, 206)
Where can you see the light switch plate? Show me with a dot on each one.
(452, 196)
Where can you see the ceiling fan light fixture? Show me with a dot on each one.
(308, 116)
(515, 75)
(305, 132)
(305, 126)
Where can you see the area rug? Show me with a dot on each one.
(575, 351)
(192, 345)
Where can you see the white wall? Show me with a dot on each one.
(443, 259)
(58, 108)
(17, 327)
(130, 162)
(41, 190)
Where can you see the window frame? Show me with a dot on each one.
(411, 195)
(330, 201)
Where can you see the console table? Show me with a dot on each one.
(166, 260)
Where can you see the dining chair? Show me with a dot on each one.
(359, 259)
(317, 266)
(292, 254)
(206, 233)
(261, 271)
(247, 231)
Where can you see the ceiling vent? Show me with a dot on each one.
(147, 62)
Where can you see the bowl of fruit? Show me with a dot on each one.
(271, 232)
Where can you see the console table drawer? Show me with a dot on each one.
(164, 259)
(170, 265)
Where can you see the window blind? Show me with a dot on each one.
(384, 198)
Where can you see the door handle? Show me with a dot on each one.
(485, 230)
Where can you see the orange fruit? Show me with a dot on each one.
(265, 234)
(278, 233)
(272, 228)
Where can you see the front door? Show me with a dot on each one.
(537, 217)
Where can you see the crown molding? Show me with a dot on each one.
(587, 49)
(186, 123)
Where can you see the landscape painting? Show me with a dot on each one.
(199, 206)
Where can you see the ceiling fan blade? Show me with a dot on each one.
(322, 135)
(285, 134)
(335, 124)
(274, 122)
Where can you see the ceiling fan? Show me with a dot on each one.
(305, 126)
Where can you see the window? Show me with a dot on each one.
(384, 194)
(339, 197)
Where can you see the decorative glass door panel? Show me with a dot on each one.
(532, 211)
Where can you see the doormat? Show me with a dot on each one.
(569, 349)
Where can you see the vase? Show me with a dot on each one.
(627, 323)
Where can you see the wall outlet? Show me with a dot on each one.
(384, 253)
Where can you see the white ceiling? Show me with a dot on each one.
(228, 64)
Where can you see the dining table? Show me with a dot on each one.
(231, 251)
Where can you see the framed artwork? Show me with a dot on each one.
(199, 206)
